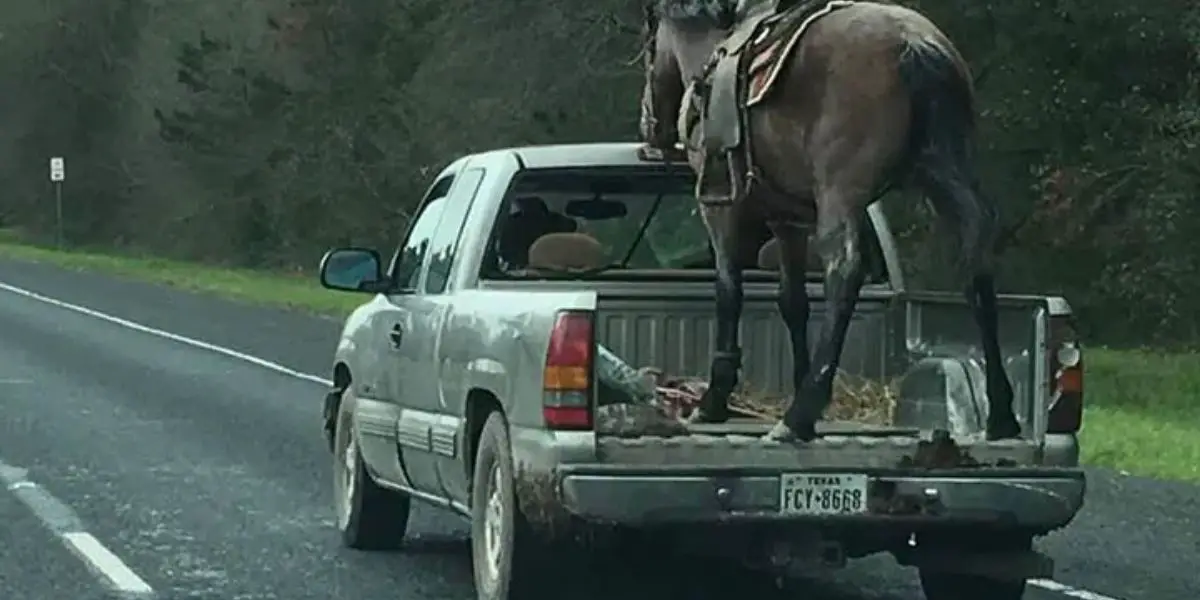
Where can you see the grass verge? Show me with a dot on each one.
(1142, 417)
(284, 290)
(1142, 413)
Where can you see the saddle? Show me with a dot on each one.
(740, 73)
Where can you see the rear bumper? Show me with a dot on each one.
(1039, 500)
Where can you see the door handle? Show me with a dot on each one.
(396, 335)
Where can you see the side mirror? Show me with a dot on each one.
(353, 270)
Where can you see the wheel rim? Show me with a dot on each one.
(493, 527)
(347, 477)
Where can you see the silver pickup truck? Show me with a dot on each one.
(470, 378)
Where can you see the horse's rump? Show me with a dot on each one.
(741, 73)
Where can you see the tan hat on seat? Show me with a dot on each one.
(566, 252)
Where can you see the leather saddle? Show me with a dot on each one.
(740, 73)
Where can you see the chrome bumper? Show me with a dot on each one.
(1042, 500)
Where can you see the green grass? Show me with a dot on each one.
(284, 290)
(1143, 407)
(1143, 412)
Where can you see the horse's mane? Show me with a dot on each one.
(697, 13)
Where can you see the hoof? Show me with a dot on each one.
(782, 432)
(1005, 430)
(648, 152)
(712, 408)
(708, 416)
(673, 154)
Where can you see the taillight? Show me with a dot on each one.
(1066, 377)
(567, 376)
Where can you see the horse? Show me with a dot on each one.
(864, 97)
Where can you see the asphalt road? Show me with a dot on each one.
(205, 475)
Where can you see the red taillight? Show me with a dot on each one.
(567, 376)
(1066, 378)
(567, 417)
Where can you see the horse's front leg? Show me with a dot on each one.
(662, 94)
(722, 221)
(839, 240)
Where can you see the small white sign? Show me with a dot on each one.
(58, 169)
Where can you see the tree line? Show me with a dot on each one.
(259, 133)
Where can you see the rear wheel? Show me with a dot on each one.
(941, 585)
(509, 560)
(953, 586)
(369, 517)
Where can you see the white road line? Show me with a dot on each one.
(1066, 590)
(63, 523)
(1046, 584)
(118, 574)
(83, 310)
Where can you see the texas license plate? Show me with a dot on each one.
(823, 494)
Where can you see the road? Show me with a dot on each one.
(201, 474)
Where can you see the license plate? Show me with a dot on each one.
(823, 494)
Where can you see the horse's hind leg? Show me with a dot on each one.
(956, 196)
(793, 297)
(723, 222)
(840, 241)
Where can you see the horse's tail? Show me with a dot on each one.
(943, 99)
(942, 145)
(943, 123)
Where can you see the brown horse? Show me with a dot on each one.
(870, 96)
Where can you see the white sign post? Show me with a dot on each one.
(58, 174)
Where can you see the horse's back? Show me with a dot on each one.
(841, 104)
(877, 20)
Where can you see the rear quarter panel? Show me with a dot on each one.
(495, 341)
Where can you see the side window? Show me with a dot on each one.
(406, 266)
(444, 245)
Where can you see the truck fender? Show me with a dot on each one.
(489, 375)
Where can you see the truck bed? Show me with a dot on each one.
(905, 342)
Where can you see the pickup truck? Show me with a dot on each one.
(469, 379)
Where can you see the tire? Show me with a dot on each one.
(940, 585)
(509, 562)
(954, 586)
(368, 517)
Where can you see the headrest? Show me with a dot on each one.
(566, 252)
(528, 205)
(769, 257)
